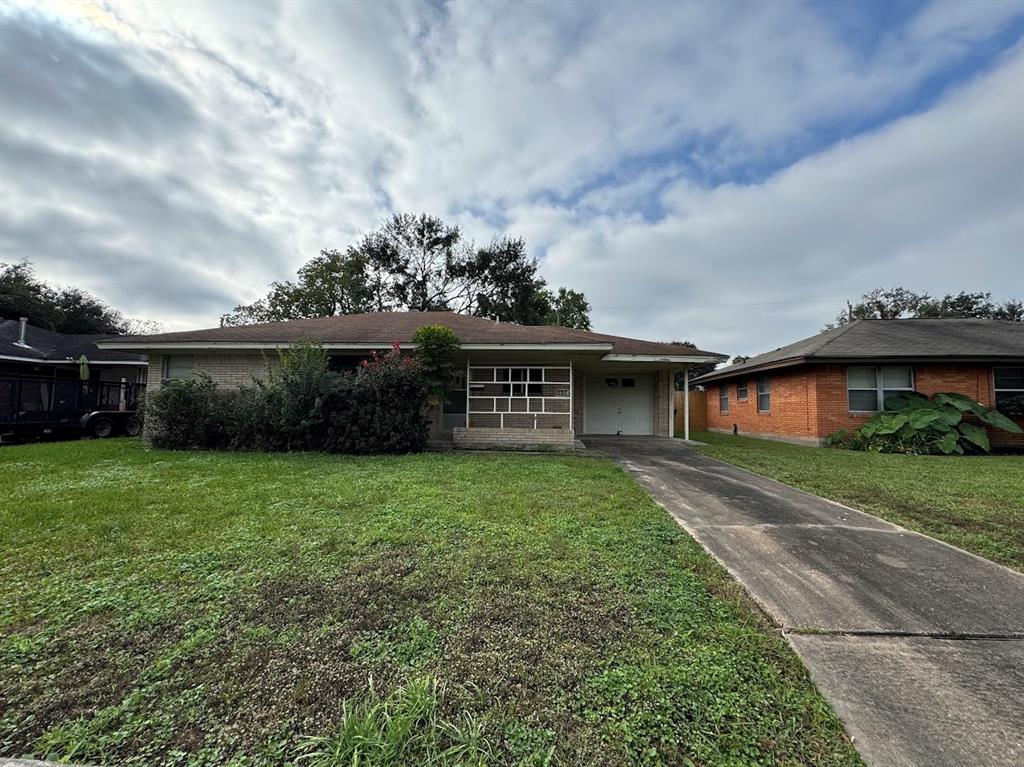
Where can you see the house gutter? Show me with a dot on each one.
(259, 346)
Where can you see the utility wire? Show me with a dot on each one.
(703, 306)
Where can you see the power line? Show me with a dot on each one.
(705, 306)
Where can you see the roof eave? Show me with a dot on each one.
(672, 358)
(342, 346)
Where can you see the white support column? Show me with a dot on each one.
(572, 403)
(467, 391)
(686, 403)
(671, 402)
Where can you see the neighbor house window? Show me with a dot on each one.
(741, 391)
(867, 387)
(179, 366)
(764, 394)
(1009, 385)
(723, 398)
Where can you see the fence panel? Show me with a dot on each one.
(698, 411)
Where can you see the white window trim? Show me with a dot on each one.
(502, 413)
(996, 390)
(746, 388)
(723, 396)
(880, 388)
(768, 391)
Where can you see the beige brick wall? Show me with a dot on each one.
(662, 402)
(513, 439)
(225, 369)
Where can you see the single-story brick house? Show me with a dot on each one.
(838, 379)
(517, 386)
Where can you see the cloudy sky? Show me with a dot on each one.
(727, 173)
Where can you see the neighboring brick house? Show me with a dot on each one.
(517, 386)
(837, 379)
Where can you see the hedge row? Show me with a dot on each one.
(379, 408)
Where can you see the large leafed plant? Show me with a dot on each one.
(947, 424)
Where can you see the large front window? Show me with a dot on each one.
(520, 397)
(867, 386)
(179, 366)
(1009, 385)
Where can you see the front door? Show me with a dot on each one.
(620, 404)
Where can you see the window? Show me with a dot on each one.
(1009, 385)
(741, 391)
(515, 397)
(867, 387)
(179, 366)
(628, 383)
(764, 394)
(723, 398)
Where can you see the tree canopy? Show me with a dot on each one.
(899, 303)
(419, 262)
(65, 310)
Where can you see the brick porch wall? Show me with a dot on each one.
(662, 402)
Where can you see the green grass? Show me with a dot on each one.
(974, 502)
(204, 608)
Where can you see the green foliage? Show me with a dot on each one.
(898, 303)
(227, 608)
(436, 347)
(403, 728)
(914, 424)
(380, 408)
(421, 263)
(68, 310)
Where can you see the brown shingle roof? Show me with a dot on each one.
(385, 328)
(879, 340)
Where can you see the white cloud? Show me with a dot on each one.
(218, 146)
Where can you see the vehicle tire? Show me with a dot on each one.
(101, 428)
(133, 427)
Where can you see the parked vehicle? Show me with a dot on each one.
(38, 407)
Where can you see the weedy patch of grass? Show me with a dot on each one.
(974, 502)
(240, 609)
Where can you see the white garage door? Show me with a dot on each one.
(619, 405)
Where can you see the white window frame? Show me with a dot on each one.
(723, 399)
(470, 383)
(880, 388)
(767, 379)
(745, 383)
(996, 390)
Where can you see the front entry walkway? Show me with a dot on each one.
(918, 646)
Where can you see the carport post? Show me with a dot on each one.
(686, 403)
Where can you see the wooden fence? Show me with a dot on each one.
(698, 411)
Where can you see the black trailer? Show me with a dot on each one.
(38, 407)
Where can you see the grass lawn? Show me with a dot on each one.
(205, 608)
(974, 502)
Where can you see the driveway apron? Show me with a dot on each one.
(918, 645)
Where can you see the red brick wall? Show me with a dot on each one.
(812, 401)
(791, 414)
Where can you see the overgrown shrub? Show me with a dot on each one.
(379, 408)
(185, 414)
(436, 347)
(912, 423)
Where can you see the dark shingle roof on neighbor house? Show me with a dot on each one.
(385, 328)
(42, 345)
(905, 340)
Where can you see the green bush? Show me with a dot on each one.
(912, 423)
(379, 408)
(436, 347)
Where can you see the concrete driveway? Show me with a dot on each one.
(918, 646)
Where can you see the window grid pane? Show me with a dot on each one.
(863, 400)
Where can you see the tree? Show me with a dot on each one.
(695, 370)
(899, 303)
(421, 263)
(436, 347)
(569, 309)
(738, 359)
(67, 310)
